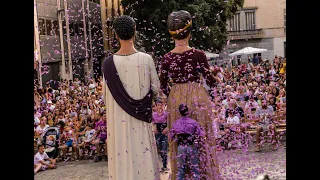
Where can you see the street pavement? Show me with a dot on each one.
(234, 165)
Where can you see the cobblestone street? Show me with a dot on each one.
(234, 165)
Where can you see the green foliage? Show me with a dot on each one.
(209, 22)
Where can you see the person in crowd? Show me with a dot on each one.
(42, 160)
(265, 124)
(283, 67)
(232, 128)
(160, 128)
(251, 103)
(282, 96)
(101, 137)
(89, 134)
(255, 60)
(233, 106)
(42, 127)
(187, 133)
(69, 139)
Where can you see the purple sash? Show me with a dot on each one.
(139, 109)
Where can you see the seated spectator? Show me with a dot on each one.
(40, 129)
(233, 106)
(101, 136)
(282, 96)
(232, 129)
(272, 102)
(260, 98)
(89, 136)
(241, 94)
(265, 124)
(251, 104)
(69, 139)
(225, 102)
(42, 161)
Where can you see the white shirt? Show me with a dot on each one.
(36, 121)
(272, 72)
(92, 86)
(225, 103)
(63, 120)
(40, 157)
(89, 135)
(234, 120)
(52, 107)
(41, 130)
(63, 92)
(253, 103)
(85, 111)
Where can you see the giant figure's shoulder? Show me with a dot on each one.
(107, 60)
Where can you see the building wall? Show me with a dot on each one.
(269, 16)
(50, 43)
(279, 46)
(269, 13)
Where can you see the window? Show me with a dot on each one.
(250, 21)
(64, 27)
(259, 54)
(81, 29)
(285, 20)
(87, 28)
(42, 27)
(94, 31)
(71, 28)
(95, 1)
(76, 28)
(235, 23)
(55, 27)
(48, 27)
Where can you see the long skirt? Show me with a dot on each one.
(198, 101)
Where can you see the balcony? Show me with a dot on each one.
(245, 34)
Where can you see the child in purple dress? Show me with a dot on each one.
(187, 133)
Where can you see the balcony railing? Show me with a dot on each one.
(245, 34)
(257, 33)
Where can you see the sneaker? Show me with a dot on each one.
(66, 159)
(97, 158)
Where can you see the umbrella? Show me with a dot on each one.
(211, 55)
(248, 50)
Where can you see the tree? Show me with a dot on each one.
(209, 22)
